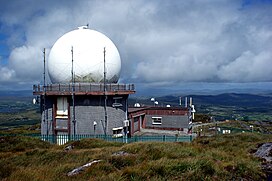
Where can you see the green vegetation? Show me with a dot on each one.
(222, 112)
(222, 157)
(237, 126)
(16, 112)
(23, 129)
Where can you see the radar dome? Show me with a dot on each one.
(88, 58)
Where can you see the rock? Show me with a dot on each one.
(69, 148)
(264, 152)
(120, 153)
(81, 168)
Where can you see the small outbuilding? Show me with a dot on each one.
(159, 118)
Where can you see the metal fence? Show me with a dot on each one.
(82, 87)
(62, 139)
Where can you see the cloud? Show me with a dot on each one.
(7, 75)
(160, 42)
(27, 62)
(249, 67)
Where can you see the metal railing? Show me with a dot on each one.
(82, 87)
(62, 139)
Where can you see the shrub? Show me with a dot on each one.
(21, 143)
(89, 143)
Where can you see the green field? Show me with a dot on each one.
(17, 112)
(221, 112)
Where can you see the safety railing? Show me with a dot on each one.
(82, 87)
(62, 139)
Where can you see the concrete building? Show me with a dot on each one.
(58, 117)
(159, 118)
(84, 96)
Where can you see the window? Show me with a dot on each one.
(117, 132)
(156, 120)
(117, 102)
(62, 107)
(61, 124)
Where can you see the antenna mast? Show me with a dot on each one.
(44, 94)
(105, 96)
(73, 91)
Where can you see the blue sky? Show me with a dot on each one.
(165, 46)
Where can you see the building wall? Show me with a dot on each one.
(136, 124)
(88, 109)
(87, 115)
(46, 124)
(168, 122)
(171, 118)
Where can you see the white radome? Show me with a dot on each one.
(88, 55)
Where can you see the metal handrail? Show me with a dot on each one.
(83, 87)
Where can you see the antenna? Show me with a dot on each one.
(105, 96)
(44, 94)
(73, 91)
(44, 68)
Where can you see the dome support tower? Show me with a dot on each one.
(105, 95)
(73, 89)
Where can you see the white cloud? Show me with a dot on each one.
(159, 41)
(7, 75)
(27, 62)
(248, 68)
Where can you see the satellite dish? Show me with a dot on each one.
(34, 101)
(193, 109)
(156, 102)
(152, 99)
(126, 123)
(94, 123)
(168, 105)
(137, 105)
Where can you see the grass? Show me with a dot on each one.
(224, 157)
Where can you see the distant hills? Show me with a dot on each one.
(224, 106)
(221, 106)
(17, 93)
(231, 99)
(227, 99)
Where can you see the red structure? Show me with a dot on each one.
(160, 118)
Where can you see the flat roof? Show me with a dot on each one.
(136, 109)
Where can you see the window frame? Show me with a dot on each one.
(156, 120)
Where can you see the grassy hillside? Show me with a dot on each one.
(225, 157)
